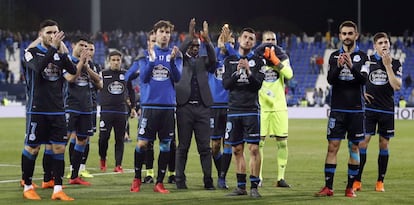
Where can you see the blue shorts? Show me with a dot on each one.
(153, 121)
(349, 124)
(45, 129)
(243, 127)
(218, 121)
(384, 121)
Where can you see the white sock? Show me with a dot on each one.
(82, 167)
(28, 187)
(57, 188)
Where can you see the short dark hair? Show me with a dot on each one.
(380, 35)
(249, 30)
(85, 38)
(115, 53)
(48, 22)
(150, 33)
(163, 23)
(348, 24)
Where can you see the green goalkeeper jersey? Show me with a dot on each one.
(272, 93)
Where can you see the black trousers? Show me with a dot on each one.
(193, 118)
(107, 122)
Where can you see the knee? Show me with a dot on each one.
(165, 145)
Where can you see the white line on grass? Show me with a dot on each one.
(96, 174)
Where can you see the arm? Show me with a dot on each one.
(132, 70)
(96, 79)
(176, 64)
(229, 76)
(79, 66)
(146, 67)
(209, 47)
(334, 70)
(395, 81)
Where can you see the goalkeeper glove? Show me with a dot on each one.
(270, 55)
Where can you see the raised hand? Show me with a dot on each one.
(57, 39)
(191, 27)
(174, 51)
(204, 32)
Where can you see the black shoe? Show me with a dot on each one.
(181, 185)
(148, 180)
(282, 183)
(209, 186)
(171, 179)
(208, 183)
(237, 192)
(254, 193)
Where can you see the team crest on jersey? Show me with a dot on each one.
(271, 75)
(121, 77)
(51, 72)
(160, 73)
(56, 57)
(116, 88)
(252, 63)
(28, 56)
(378, 77)
(356, 58)
(168, 58)
(102, 123)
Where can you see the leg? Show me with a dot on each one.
(261, 148)
(119, 131)
(382, 162)
(282, 158)
(363, 146)
(185, 131)
(330, 162)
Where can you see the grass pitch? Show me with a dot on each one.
(307, 149)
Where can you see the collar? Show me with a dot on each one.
(341, 50)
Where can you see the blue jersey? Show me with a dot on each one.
(157, 78)
(215, 80)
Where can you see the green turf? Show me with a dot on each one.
(307, 149)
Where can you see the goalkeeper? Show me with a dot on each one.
(273, 107)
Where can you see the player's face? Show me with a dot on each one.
(348, 36)
(382, 45)
(151, 40)
(194, 47)
(91, 49)
(79, 47)
(115, 62)
(247, 40)
(269, 38)
(163, 36)
(47, 33)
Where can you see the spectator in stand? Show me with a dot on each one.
(408, 81)
(402, 103)
(319, 63)
(410, 101)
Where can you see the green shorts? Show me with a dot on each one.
(274, 123)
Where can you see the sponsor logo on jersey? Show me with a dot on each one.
(82, 80)
(271, 75)
(116, 88)
(218, 74)
(346, 75)
(378, 77)
(51, 72)
(160, 73)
